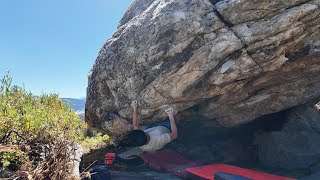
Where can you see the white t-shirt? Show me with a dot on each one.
(159, 137)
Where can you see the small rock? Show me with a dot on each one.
(75, 154)
(5, 173)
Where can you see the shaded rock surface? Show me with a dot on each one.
(232, 61)
(303, 118)
(296, 145)
(314, 176)
(289, 150)
(206, 141)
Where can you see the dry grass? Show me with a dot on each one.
(57, 164)
(9, 148)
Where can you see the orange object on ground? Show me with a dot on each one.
(168, 160)
(208, 172)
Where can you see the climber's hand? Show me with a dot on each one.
(170, 112)
(134, 105)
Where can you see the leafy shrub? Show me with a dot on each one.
(95, 142)
(28, 119)
(35, 117)
(36, 133)
(8, 157)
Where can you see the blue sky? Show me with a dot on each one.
(50, 46)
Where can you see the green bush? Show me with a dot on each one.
(95, 142)
(8, 157)
(34, 117)
(30, 123)
(29, 119)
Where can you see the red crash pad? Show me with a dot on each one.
(208, 172)
(169, 161)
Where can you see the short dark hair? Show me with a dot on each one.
(136, 138)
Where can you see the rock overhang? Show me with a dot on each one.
(232, 60)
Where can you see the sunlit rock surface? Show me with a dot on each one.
(230, 60)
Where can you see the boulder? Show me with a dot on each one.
(288, 150)
(232, 61)
(303, 118)
(313, 176)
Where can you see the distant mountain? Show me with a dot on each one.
(77, 105)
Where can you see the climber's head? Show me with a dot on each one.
(136, 138)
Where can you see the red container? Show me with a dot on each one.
(109, 158)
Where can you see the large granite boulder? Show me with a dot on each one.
(231, 60)
(289, 150)
(303, 118)
(313, 176)
(297, 144)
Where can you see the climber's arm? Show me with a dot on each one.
(135, 117)
(174, 129)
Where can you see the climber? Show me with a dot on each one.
(149, 138)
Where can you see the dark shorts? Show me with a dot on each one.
(165, 123)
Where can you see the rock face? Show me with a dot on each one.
(289, 150)
(231, 60)
(296, 145)
(303, 118)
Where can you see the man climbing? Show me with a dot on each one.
(149, 138)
